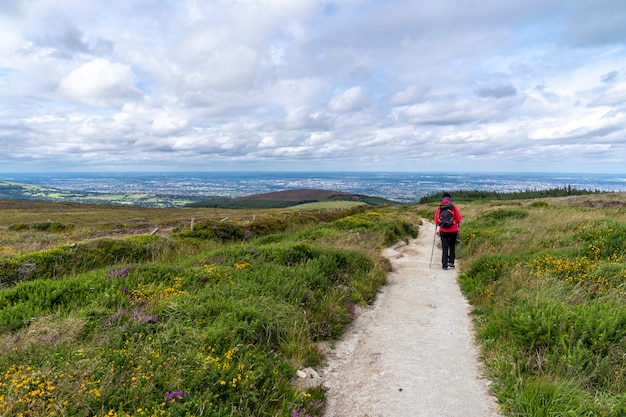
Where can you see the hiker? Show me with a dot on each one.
(448, 218)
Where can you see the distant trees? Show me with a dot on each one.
(471, 195)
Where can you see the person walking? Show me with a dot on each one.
(448, 218)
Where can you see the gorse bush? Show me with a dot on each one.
(548, 286)
(219, 332)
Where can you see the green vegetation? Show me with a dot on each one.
(212, 321)
(77, 258)
(100, 317)
(473, 195)
(547, 281)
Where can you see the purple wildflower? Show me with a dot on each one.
(174, 395)
(140, 315)
(107, 321)
(148, 319)
(299, 412)
(351, 308)
(119, 273)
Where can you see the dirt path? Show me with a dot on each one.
(412, 353)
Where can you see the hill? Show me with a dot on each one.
(289, 198)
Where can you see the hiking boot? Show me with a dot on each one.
(445, 267)
(450, 265)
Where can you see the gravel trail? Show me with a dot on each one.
(412, 353)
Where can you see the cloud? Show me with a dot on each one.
(615, 95)
(497, 91)
(349, 84)
(410, 95)
(610, 77)
(350, 100)
(168, 125)
(458, 111)
(100, 83)
(305, 118)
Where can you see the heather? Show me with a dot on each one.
(212, 321)
(215, 320)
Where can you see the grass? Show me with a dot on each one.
(547, 282)
(327, 205)
(210, 321)
(215, 320)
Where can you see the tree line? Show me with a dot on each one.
(471, 195)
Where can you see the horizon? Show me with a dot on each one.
(303, 172)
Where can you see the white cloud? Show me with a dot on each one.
(409, 96)
(267, 142)
(203, 83)
(169, 124)
(100, 83)
(452, 110)
(615, 95)
(350, 100)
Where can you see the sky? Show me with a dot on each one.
(313, 85)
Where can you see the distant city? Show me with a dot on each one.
(402, 187)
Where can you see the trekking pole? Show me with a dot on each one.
(460, 244)
(433, 249)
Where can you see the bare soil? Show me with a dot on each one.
(412, 353)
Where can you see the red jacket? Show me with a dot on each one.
(455, 213)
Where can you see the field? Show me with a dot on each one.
(124, 311)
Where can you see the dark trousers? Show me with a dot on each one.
(448, 244)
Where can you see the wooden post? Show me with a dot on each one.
(193, 221)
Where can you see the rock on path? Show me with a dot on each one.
(412, 353)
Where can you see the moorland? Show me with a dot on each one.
(132, 311)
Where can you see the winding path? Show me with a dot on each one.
(412, 353)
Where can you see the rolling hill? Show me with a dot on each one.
(289, 198)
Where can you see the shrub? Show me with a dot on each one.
(266, 226)
(393, 229)
(42, 227)
(72, 259)
(51, 227)
(499, 216)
